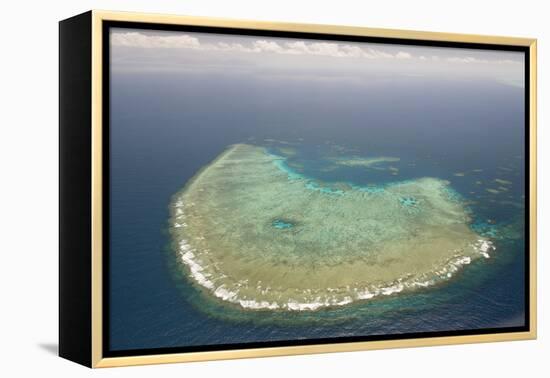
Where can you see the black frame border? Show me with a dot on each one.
(107, 25)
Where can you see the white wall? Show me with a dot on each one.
(28, 200)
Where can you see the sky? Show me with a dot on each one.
(297, 59)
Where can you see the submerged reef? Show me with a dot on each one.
(255, 233)
(364, 162)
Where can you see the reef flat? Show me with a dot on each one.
(364, 162)
(253, 232)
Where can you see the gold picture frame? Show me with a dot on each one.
(91, 328)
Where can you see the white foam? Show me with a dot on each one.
(297, 306)
(483, 247)
(422, 283)
(343, 302)
(222, 292)
(195, 268)
(365, 294)
(258, 305)
(197, 272)
(462, 261)
(392, 289)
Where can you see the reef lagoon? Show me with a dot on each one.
(254, 232)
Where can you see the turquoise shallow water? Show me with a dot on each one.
(282, 225)
(153, 305)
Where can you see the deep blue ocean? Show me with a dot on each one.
(164, 128)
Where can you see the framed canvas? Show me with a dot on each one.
(235, 189)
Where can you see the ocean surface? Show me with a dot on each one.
(165, 128)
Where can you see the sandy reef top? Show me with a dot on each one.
(253, 232)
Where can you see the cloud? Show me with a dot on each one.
(471, 59)
(294, 47)
(314, 48)
(403, 55)
(466, 59)
(331, 49)
(269, 46)
(135, 39)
